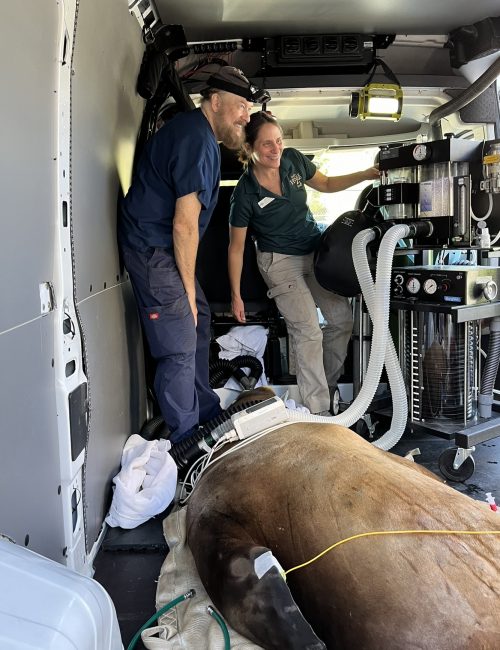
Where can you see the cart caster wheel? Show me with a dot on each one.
(465, 471)
(365, 430)
(362, 429)
(335, 402)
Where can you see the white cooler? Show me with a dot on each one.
(46, 606)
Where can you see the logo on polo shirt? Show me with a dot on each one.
(296, 179)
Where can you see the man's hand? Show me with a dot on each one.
(194, 308)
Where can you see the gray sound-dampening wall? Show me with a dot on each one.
(105, 117)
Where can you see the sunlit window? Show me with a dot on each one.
(327, 207)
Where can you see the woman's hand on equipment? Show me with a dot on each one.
(372, 173)
(238, 309)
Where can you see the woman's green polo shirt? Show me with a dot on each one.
(280, 224)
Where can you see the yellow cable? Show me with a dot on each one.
(392, 532)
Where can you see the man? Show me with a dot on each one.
(163, 217)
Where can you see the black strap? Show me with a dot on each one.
(388, 72)
(250, 93)
(220, 84)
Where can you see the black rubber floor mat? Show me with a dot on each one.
(144, 538)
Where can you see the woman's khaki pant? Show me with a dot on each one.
(319, 351)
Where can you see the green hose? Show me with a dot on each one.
(222, 625)
(155, 617)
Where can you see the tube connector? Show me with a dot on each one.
(484, 405)
(381, 228)
(248, 382)
(421, 228)
(484, 238)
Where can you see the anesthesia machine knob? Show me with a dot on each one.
(445, 286)
(490, 290)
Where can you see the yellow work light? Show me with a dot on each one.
(378, 101)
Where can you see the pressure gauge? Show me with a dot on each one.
(413, 285)
(430, 286)
(421, 152)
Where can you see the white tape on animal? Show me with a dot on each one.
(265, 563)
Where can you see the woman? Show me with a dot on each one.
(270, 199)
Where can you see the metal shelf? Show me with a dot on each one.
(460, 314)
(484, 430)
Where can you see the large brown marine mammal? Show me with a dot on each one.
(304, 487)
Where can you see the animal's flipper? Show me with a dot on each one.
(255, 599)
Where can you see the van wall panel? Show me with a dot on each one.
(117, 398)
(30, 503)
(27, 161)
(106, 114)
(29, 450)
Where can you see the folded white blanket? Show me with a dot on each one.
(146, 483)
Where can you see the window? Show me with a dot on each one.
(328, 207)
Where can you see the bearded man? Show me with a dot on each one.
(163, 217)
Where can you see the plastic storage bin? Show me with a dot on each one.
(46, 606)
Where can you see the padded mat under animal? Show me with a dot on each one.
(188, 626)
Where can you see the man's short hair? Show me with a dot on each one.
(232, 80)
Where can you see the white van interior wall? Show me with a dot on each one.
(29, 450)
(106, 113)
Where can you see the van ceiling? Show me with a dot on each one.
(205, 20)
(313, 108)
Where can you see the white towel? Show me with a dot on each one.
(242, 340)
(146, 483)
(292, 405)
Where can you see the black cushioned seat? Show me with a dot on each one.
(212, 265)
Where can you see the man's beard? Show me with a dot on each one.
(230, 137)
